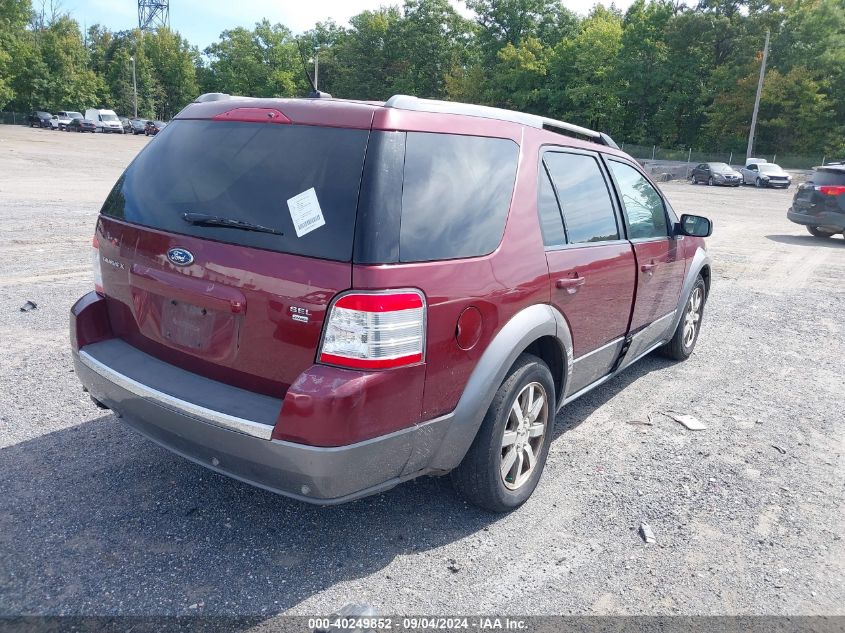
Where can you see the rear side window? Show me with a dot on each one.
(584, 198)
(455, 196)
(641, 203)
(828, 177)
(246, 172)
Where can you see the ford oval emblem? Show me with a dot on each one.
(180, 256)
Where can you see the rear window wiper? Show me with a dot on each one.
(205, 219)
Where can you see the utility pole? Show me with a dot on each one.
(317, 68)
(751, 132)
(134, 86)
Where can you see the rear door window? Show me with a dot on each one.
(588, 213)
(246, 172)
(551, 222)
(456, 195)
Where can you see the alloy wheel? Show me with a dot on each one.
(692, 316)
(523, 436)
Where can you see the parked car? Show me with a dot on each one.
(62, 119)
(137, 126)
(326, 298)
(39, 118)
(81, 125)
(765, 175)
(819, 202)
(105, 120)
(151, 128)
(716, 174)
(127, 126)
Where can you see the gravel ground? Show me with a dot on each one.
(748, 514)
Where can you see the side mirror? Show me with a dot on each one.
(694, 226)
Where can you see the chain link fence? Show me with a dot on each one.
(14, 118)
(693, 157)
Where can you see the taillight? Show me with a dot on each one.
(378, 330)
(95, 265)
(831, 190)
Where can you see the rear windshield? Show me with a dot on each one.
(828, 177)
(249, 172)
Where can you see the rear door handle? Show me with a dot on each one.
(570, 284)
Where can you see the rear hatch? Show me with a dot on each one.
(823, 191)
(224, 241)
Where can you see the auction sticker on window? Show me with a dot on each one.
(305, 212)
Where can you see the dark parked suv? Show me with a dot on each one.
(325, 298)
(39, 118)
(819, 203)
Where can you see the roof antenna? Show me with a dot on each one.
(314, 94)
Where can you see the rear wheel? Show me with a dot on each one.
(817, 231)
(682, 344)
(504, 463)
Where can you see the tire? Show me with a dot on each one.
(758, 183)
(479, 478)
(710, 181)
(817, 231)
(682, 344)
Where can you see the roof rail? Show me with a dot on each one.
(406, 102)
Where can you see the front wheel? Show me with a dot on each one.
(759, 183)
(682, 344)
(710, 181)
(504, 463)
(817, 231)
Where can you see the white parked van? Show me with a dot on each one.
(105, 120)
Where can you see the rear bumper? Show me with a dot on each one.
(825, 218)
(229, 443)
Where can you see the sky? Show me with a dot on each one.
(201, 21)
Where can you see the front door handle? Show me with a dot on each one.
(649, 268)
(570, 284)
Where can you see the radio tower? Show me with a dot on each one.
(153, 14)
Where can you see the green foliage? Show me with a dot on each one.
(262, 62)
(665, 73)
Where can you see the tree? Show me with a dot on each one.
(14, 15)
(506, 22)
(518, 80)
(263, 62)
(368, 56)
(173, 63)
(642, 68)
(585, 86)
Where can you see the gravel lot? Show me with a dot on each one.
(748, 513)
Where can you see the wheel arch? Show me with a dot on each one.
(700, 265)
(538, 329)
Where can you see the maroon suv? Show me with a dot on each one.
(325, 298)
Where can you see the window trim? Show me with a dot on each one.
(670, 225)
(543, 170)
(621, 230)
